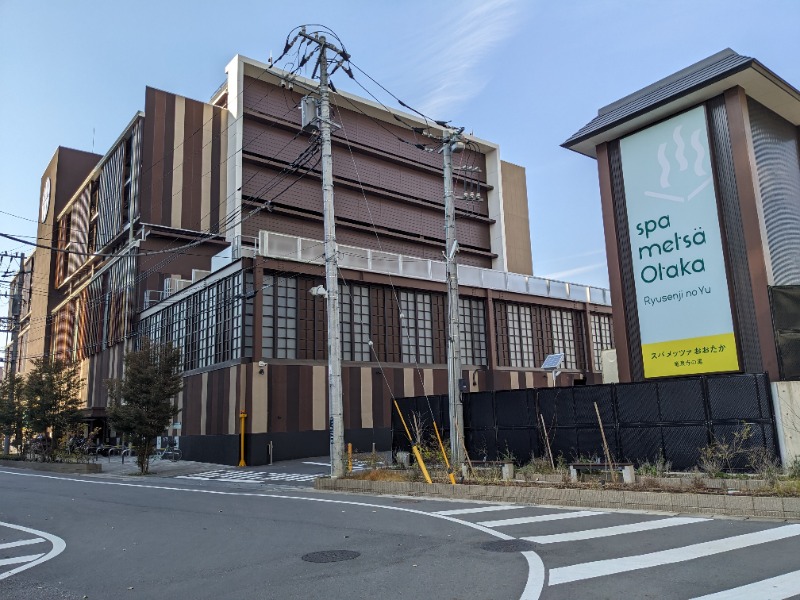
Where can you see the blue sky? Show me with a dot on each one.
(523, 74)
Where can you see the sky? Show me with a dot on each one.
(525, 74)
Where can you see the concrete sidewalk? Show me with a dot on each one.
(119, 466)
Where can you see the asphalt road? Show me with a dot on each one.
(223, 537)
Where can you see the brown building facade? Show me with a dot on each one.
(202, 227)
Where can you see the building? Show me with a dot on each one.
(202, 227)
(700, 189)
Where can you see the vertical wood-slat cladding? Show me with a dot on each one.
(628, 279)
(737, 252)
(277, 398)
(183, 165)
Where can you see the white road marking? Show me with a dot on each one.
(18, 559)
(33, 560)
(319, 464)
(612, 566)
(250, 476)
(535, 583)
(590, 534)
(21, 543)
(477, 526)
(468, 511)
(541, 518)
(775, 588)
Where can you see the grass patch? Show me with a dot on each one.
(381, 475)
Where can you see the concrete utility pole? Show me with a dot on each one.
(16, 307)
(453, 143)
(336, 414)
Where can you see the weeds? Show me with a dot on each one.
(658, 468)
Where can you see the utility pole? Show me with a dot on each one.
(336, 411)
(16, 307)
(453, 143)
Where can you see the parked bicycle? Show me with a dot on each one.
(169, 452)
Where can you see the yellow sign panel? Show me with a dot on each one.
(691, 356)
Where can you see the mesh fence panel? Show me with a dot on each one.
(642, 421)
(511, 409)
(585, 398)
(681, 400)
(682, 445)
(639, 444)
(637, 403)
(732, 398)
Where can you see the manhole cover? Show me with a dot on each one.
(328, 556)
(508, 546)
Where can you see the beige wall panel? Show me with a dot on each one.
(177, 162)
(515, 207)
(408, 383)
(203, 403)
(205, 178)
(366, 397)
(427, 381)
(260, 410)
(319, 415)
(528, 380)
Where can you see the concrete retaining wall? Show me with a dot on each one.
(53, 467)
(684, 503)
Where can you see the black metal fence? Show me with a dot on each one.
(670, 419)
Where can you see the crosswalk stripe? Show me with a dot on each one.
(468, 511)
(21, 543)
(601, 568)
(19, 559)
(775, 588)
(589, 534)
(541, 518)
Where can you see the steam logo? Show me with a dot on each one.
(694, 181)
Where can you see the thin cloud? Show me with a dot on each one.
(459, 48)
(563, 275)
(571, 257)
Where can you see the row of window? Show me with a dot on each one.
(208, 327)
(377, 324)
(411, 327)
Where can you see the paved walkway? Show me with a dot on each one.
(114, 465)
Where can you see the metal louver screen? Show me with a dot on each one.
(775, 144)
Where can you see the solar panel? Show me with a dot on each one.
(552, 361)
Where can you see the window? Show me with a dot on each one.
(564, 337)
(473, 331)
(520, 335)
(207, 326)
(416, 326)
(602, 338)
(354, 306)
(279, 317)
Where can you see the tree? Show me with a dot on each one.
(142, 401)
(11, 410)
(51, 395)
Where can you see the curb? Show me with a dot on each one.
(685, 503)
(53, 467)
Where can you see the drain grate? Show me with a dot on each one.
(508, 546)
(329, 556)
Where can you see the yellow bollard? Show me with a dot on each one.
(242, 417)
(349, 457)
